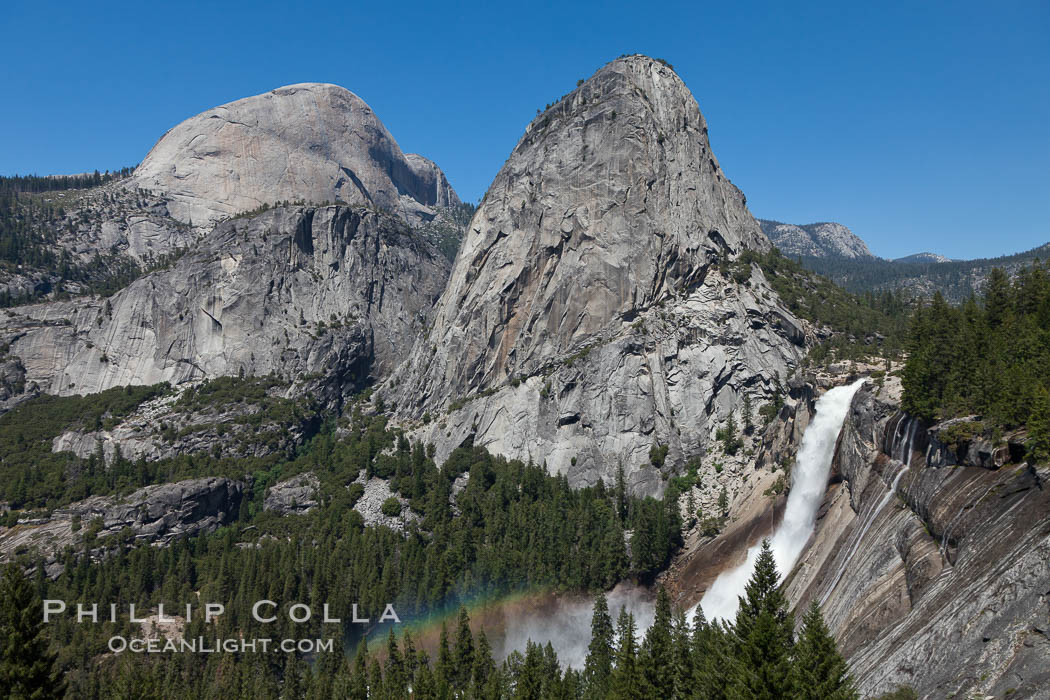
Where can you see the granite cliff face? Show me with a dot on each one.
(930, 562)
(338, 292)
(591, 312)
(310, 142)
(155, 514)
(334, 291)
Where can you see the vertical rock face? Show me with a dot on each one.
(587, 305)
(931, 573)
(312, 142)
(338, 291)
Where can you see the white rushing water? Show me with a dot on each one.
(809, 479)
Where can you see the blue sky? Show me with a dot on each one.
(921, 126)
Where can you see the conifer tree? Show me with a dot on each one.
(1039, 428)
(27, 668)
(484, 667)
(710, 658)
(359, 674)
(626, 680)
(395, 680)
(656, 659)
(375, 681)
(819, 672)
(529, 676)
(682, 658)
(444, 672)
(763, 636)
(597, 669)
(463, 654)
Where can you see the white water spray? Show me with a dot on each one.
(809, 479)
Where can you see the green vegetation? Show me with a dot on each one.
(658, 455)
(514, 527)
(32, 476)
(30, 226)
(391, 507)
(956, 280)
(728, 436)
(868, 324)
(901, 693)
(51, 183)
(446, 230)
(27, 667)
(754, 656)
(989, 357)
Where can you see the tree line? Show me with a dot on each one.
(989, 357)
(756, 655)
(53, 183)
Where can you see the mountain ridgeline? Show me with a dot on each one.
(833, 251)
(281, 359)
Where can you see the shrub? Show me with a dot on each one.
(391, 507)
(658, 455)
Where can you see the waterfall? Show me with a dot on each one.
(809, 480)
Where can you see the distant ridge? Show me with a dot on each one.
(925, 257)
(825, 239)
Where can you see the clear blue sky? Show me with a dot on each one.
(922, 126)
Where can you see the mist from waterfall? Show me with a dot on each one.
(809, 479)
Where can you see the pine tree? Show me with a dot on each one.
(27, 668)
(395, 681)
(626, 683)
(819, 672)
(463, 651)
(1039, 428)
(657, 653)
(484, 667)
(529, 676)
(132, 682)
(763, 636)
(710, 658)
(359, 674)
(597, 669)
(444, 672)
(682, 658)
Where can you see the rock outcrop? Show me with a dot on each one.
(596, 307)
(155, 514)
(822, 240)
(294, 496)
(931, 567)
(296, 291)
(310, 142)
(370, 504)
(164, 427)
